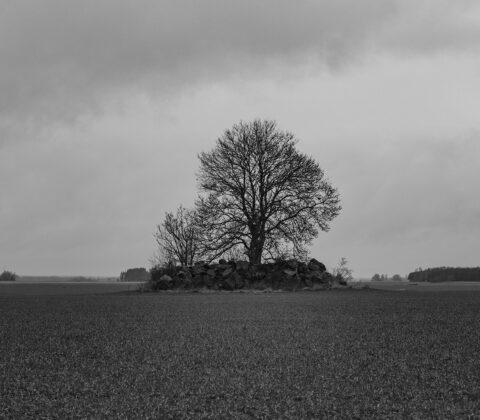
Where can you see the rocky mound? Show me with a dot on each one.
(232, 275)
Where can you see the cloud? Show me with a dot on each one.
(407, 205)
(123, 94)
(413, 189)
(67, 58)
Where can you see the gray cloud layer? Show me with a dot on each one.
(60, 58)
(86, 199)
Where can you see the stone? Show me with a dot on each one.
(164, 282)
(166, 278)
(292, 264)
(208, 280)
(301, 267)
(197, 281)
(238, 279)
(243, 265)
(275, 278)
(185, 274)
(187, 283)
(198, 269)
(290, 273)
(315, 265)
(290, 282)
(313, 276)
(228, 284)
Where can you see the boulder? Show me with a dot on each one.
(198, 281)
(290, 282)
(208, 280)
(184, 274)
(258, 275)
(315, 265)
(243, 265)
(290, 273)
(228, 283)
(164, 282)
(187, 283)
(301, 267)
(275, 278)
(292, 264)
(227, 272)
(238, 279)
(316, 277)
(198, 269)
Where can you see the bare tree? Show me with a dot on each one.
(178, 237)
(259, 192)
(342, 272)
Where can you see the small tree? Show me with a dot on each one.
(260, 193)
(178, 237)
(342, 272)
(8, 276)
(376, 277)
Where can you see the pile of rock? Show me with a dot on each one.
(232, 275)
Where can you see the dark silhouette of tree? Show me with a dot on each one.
(178, 237)
(8, 276)
(259, 192)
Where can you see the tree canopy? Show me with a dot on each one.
(259, 192)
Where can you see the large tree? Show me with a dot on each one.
(178, 237)
(259, 192)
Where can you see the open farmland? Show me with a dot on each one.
(33, 288)
(357, 353)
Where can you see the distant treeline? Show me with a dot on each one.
(441, 274)
(135, 274)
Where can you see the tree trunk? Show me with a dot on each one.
(256, 250)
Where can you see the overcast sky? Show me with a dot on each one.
(104, 106)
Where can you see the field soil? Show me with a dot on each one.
(341, 353)
(423, 286)
(35, 288)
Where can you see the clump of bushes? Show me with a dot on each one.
(441, 274)
(135, 274)
(235, 275)
(8, 276)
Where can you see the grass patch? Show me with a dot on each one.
(302, 355)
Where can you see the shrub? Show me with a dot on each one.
(8, 276)
(342, 273)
